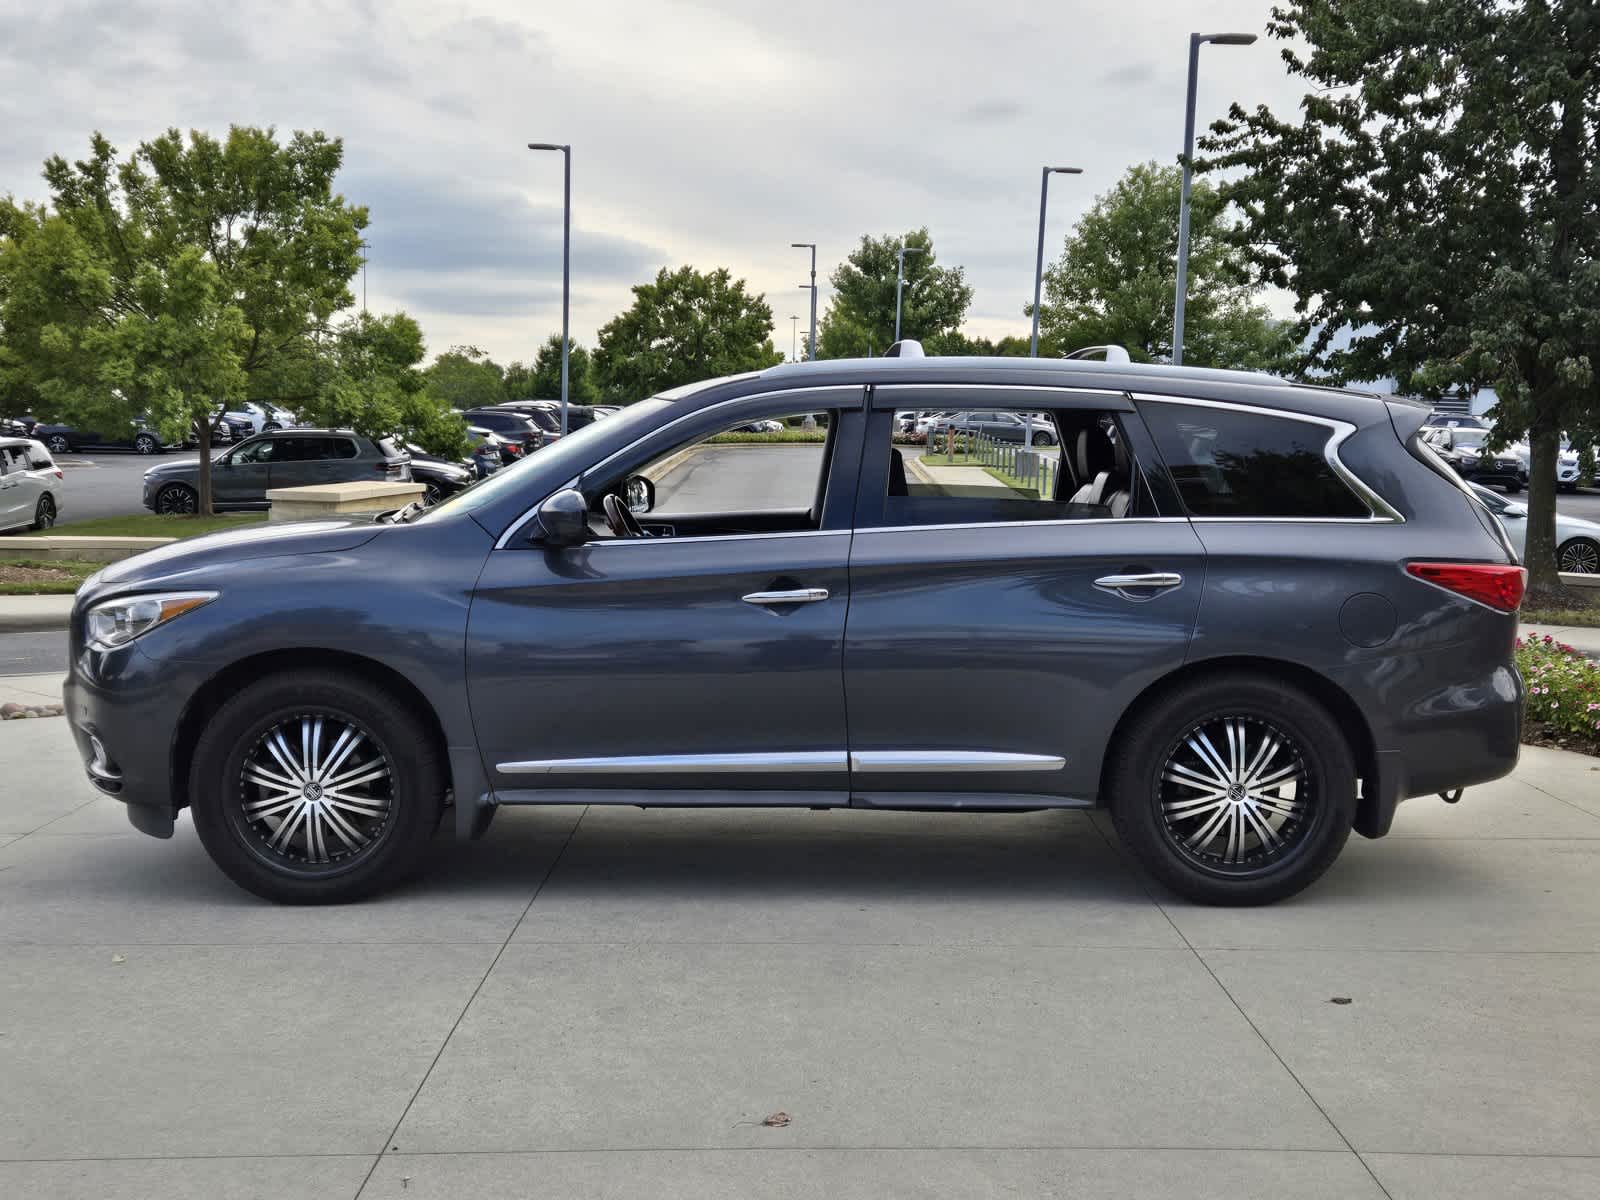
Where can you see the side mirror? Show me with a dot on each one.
(639, 494)
(1514, 510)
(563, 519)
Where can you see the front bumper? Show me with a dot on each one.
(123, 710)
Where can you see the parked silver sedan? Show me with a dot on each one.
(30, 485)
(1577, 540)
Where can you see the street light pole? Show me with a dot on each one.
(794, 336)
(811, 246)
(1196, 40)
(900, 282)
(1038, 262)
(566, 263)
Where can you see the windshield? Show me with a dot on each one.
(566, 458)
(1470, 439)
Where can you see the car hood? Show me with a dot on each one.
(180, 560)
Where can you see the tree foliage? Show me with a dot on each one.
(860, 317)
(1116, 281)
(371, 381)
(192, 273)
(465, 377)
(1439, 195)
(546, 380)
(683, 327)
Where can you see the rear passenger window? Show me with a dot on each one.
(1237, 464)
(1007, 465)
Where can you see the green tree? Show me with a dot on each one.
(1439, 194)
(684, 326)
(581, 386)
(860, 317)
(1116, 281)
(465, 377)
(517, 381)
(369, 380)
(193, 273)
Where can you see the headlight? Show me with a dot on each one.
(114, 623)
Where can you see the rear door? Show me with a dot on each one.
(995, 635)
(19, 492)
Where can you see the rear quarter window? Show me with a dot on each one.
(1228, 463)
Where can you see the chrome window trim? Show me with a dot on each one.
(866, 529)
(1382, 510)
(882, 762)
(718, 537)
(511, 531)
(801, 761)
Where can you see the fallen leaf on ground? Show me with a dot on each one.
(777, 1120)
(1339, 1000)
(118, 958)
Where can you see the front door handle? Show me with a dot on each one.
(797, 596)
(1139, 587)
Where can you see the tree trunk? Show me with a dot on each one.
(203, 509)
(1539, 550)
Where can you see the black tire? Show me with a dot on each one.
(147, 443)
(58, 444)
(432, 493)
(271, 427)
(1513, 488)
(1043, 439)
(44, 513)
(1144, 777)
(1579, 556)
(177, 499)
(220, 791)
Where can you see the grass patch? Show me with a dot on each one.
(43, 577)
(1588, 617)
(1562, 705)
(789, 437)
(153, 525)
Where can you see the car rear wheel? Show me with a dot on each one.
(44, 513)
(1236, 789)
(1579, 556)
(432, 493)
(58, 444)
(1043, 439)
(315, 788)
(146, 444)
(177, 499)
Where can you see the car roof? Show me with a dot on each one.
(1244, 387)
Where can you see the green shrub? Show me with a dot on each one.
(1563, 689)
(787, 437)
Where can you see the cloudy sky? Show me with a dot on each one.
(709, 132)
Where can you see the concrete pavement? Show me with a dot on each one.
(1577, 636)
(611, 1002)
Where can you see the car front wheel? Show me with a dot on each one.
(1236, 789)
(177, 499)
(146, 444)
(1579, 556)
(315, 788)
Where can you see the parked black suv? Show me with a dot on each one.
(1247, 616)
(1463, 448)
(520, 434)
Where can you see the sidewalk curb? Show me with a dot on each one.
(35, 614)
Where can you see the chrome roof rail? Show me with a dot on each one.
(1110, 354)
(905, 348)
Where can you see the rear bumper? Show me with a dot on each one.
(1455, 735)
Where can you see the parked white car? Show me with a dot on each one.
(264, 418)
(1577, 540)
(1566, 464)
(30, 485)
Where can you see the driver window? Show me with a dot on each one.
(761, 475)
(255, 452)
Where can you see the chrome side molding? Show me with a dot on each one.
(883, 762)
(874, 762)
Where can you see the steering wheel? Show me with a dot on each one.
(619, 520)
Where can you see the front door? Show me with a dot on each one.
(701, 664)
(997, 630)
(241, 476)
(19, 492)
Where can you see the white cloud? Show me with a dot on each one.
(712, 133)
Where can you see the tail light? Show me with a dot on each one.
(1497, 585)
(514, 447)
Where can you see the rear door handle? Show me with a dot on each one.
(1139, 586)
(797, 596)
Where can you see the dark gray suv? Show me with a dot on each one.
(284, 458)
(1244, 615)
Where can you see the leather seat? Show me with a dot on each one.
(1095, 459)
(897, 473)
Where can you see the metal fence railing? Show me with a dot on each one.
(1029, 468)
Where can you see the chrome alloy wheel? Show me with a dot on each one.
(1580, 557)
(316, 791)
(1235, 795)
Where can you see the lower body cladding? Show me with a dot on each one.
(646, 781)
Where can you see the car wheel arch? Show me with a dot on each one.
(210, 695)
(1340, 706)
